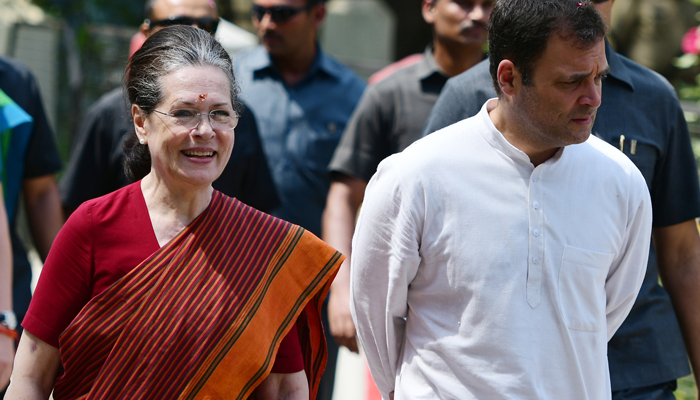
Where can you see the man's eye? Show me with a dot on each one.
(183, 114)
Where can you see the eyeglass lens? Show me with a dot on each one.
(190, 119)
(277, 13)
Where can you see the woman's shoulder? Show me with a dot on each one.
(120, 201)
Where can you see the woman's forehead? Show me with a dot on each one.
(196, 84)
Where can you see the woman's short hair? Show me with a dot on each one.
(167, 51)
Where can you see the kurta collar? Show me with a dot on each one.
(496, 139)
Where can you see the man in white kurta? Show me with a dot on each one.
(489, 263)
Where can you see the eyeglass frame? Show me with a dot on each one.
(235, 117)
(184, 20)
(259, 12)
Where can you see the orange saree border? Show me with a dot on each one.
(203, 317)
(214, 379)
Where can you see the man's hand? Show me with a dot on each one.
(344, 199)
(7, 354)
(44, 212)
(678, 255)
(339, 317)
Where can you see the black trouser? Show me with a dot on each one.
(662, 391)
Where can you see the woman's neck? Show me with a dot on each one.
(172, 209)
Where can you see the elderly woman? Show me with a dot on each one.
(166, 288)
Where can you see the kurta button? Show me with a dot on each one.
(536, 205)
(535, 260)
(534, 179)
(536, 232)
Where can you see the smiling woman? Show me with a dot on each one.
(169, 287)
(188, 150)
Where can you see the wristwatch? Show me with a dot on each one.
(8, 319)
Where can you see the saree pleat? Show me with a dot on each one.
(203, 317)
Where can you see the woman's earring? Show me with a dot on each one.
(142, 141)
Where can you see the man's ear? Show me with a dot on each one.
(428, 9)
(144, 28)
(319, 14)
(509, 78)
(139, 121)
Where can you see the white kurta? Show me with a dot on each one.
(476, 275)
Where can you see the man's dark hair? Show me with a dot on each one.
(519, 31)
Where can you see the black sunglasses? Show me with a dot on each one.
(209, 24)
(278, 13)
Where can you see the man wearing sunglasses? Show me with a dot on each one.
(641, 116)
(302, 99)
(199, 14)
(95, 166)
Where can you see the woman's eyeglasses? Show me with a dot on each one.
(189, 119)
(278, 13)
(209, 24)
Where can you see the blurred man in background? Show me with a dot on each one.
(30, 161)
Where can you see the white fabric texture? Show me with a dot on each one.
(476, 275)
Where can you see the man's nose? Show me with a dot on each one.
(593, 94)
(478, 13)
(266, 21)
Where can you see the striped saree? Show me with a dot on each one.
(202, 317)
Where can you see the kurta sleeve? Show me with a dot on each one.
(627, 270)
(385, 260)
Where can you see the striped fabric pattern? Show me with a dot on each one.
(204, 315)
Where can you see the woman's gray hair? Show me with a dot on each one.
(167, 51)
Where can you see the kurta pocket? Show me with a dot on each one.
(582, 288)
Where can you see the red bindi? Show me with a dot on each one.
(202, 97)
